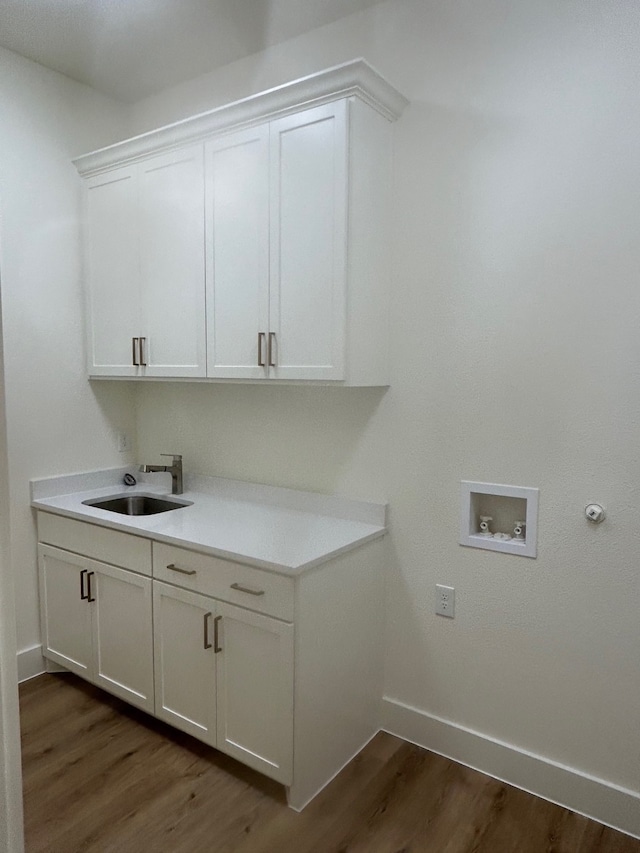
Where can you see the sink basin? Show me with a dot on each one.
(138, 504)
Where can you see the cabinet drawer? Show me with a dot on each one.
(99, 543)
(252, 588)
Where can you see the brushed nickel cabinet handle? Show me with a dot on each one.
(173, 568)
(134, 356)
(83, 594)
(207, 644)
(261, 337)
(143, 358)
(247, 589)
(272, 346)
(216, 635)
(89, 593)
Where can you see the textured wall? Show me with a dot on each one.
(515, 359)
(56, 421)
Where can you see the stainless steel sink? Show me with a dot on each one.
(138, 504)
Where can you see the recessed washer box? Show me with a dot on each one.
(505, 506)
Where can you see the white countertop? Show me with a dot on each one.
(280, 530)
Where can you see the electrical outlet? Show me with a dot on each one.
(445, 600)
(123, 441)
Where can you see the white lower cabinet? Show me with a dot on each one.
(218, 671)
(225, 675)
(184, 661)
(283, 673)
(255, 690)
(66, 614)
(97, 623)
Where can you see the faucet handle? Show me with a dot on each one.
(176, 456)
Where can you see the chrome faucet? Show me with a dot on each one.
(175, 469)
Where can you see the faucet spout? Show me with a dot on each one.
(175, 469)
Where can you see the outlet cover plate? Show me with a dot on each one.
(445, 601)
(123, 441)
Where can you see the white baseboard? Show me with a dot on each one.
(299, 802)
(30, 663)
(595, 798)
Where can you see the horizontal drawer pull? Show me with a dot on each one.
(225, 580)
(240, 588)
(172, 567)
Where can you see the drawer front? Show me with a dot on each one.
(99, 543)
(252, 588)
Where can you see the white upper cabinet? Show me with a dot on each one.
(112, 271)
(276, 219)
(145, 259)
(308, 243)
(172, 258)
(237, 168)
(274, 212)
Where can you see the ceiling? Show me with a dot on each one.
(130, 49)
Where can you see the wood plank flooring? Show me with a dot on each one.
(101, 776)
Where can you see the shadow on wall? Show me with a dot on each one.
(117, 405)
(316, 438)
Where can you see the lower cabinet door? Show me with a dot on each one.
(66, 613)
(185, 660)
(123, 633)
(255, 691)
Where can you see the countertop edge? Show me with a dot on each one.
(43, 505)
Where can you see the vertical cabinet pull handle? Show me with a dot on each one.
(143, 357)
(216, 635)
(134, 352)
(83, 594)
(272, 347)
(261, 337)
(89, 593)
(207, 644)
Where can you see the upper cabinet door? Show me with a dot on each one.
(172, 262)
(238, 254)
(309, 159)
(112, 272)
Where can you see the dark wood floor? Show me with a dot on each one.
(100, 776)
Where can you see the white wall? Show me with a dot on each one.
(11, 812)
(516, 359)
(318, 439)
(56, 421)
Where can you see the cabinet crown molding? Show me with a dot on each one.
(356, 78)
